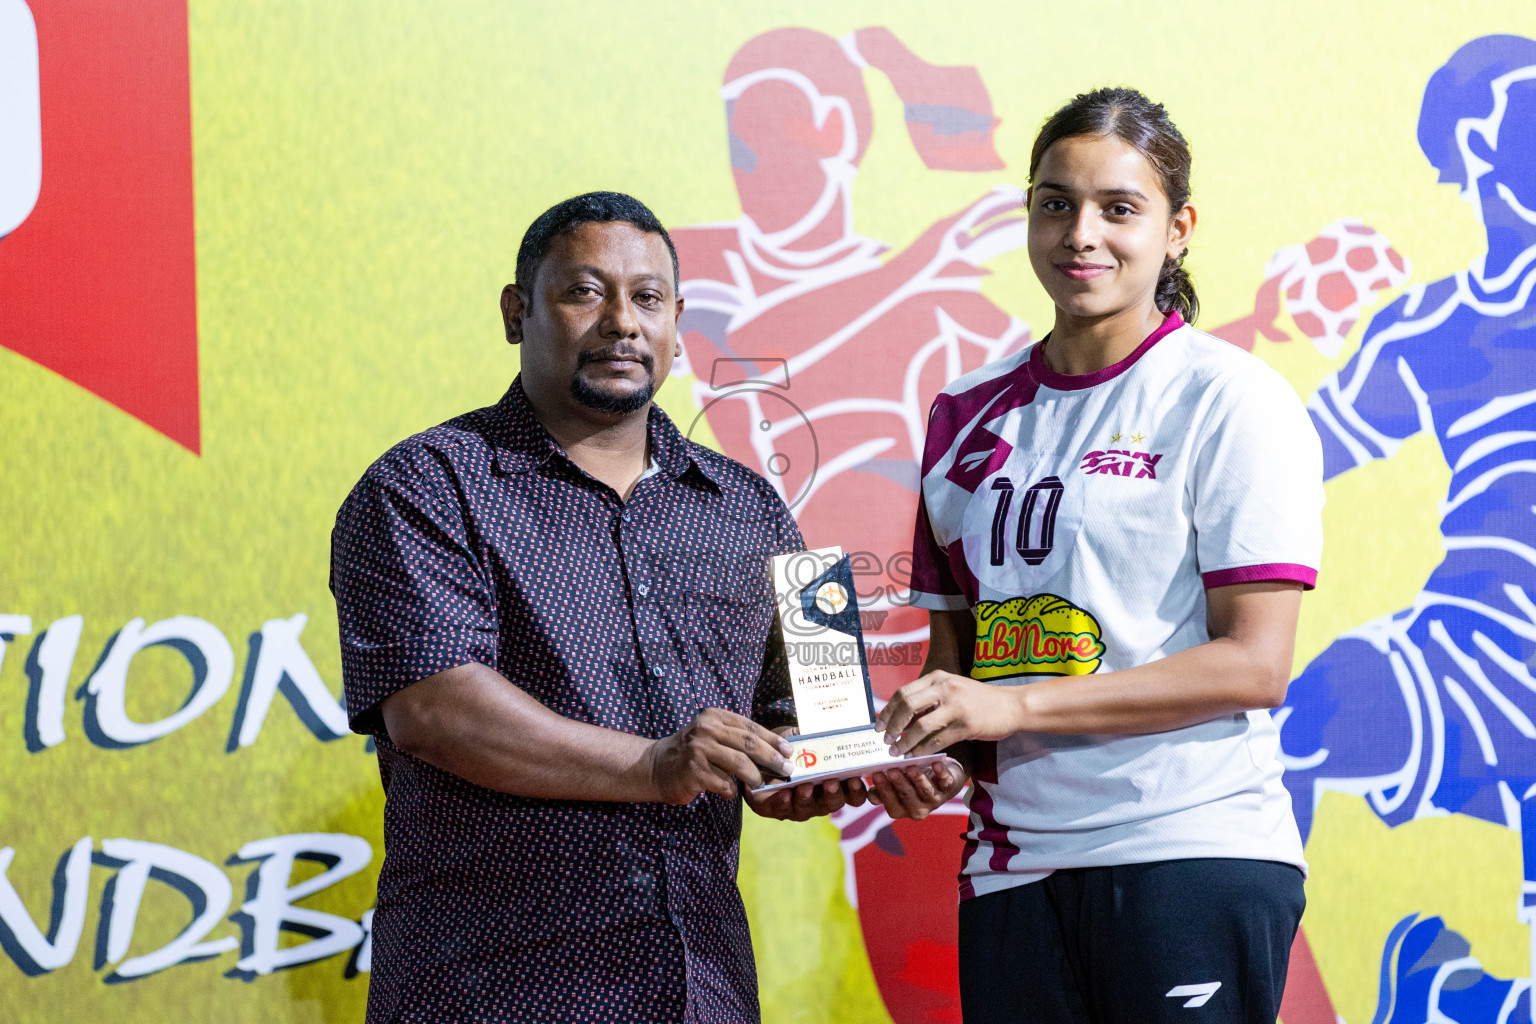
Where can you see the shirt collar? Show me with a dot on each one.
(522, 443)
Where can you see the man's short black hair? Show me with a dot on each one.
(591, 208)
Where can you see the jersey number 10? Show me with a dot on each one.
(1036, 534)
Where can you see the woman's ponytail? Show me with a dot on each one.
(1175, 289)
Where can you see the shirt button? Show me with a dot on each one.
(642, 590)
(624, 516)
(657, 671)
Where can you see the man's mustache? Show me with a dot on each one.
(615, 352)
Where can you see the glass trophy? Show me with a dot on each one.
(828, 673)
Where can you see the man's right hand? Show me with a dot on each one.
(711, 753)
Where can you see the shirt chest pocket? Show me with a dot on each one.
(727, 625)
(718, 616)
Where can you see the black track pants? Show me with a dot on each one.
(1181, 941)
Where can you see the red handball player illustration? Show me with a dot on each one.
(819, 354)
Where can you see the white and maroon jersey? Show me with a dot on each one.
(1081, 519)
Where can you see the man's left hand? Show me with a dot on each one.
(808, 800)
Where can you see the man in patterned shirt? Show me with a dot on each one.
(556, 623)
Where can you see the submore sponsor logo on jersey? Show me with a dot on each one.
(1115, 462)
(1044, 635)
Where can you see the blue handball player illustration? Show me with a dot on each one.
(1432, 710)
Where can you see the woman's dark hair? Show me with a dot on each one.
(1129, 116)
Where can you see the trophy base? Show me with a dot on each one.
(841, 755)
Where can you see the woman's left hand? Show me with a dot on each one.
(940, 709)
(917, 792)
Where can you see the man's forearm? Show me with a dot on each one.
(475, 723)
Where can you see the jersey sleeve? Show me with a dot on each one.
(933, 579)
(411, 600)
(1257, 487)
(933, 582)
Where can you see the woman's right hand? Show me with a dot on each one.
(941, 709)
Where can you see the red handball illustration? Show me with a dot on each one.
(1325, 283)
(818, 354)
(901, 877)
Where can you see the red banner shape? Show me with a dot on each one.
(98, 284)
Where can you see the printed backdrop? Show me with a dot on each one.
(245, 247)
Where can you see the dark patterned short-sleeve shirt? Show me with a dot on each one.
(480, 541)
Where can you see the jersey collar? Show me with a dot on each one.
(1048, 377)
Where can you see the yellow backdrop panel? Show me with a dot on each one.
(362, 175)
